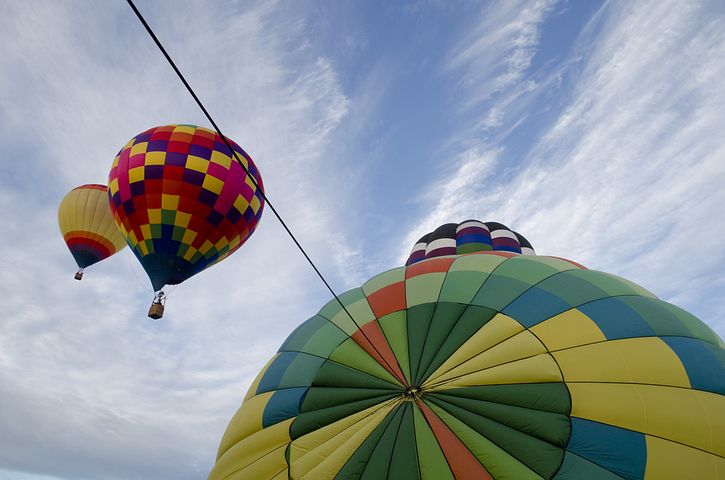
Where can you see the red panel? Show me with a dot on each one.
(388, 299)
(381, 350)
(432, 265)
(579, 265)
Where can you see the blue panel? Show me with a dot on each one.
(704, 363)
(283, 404)
(616, 319)
(575, 467)
(473, 238)
(276, 371)
(621, 451)
(302, 334)
(535, 306)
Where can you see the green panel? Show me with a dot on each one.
(611, 284)
(335, 313)
(578, 468)
(168, 217)
(500, 464)
(432, 462)
(316, 336)
(696, 327)
(538, 455)
(572, 290)
(333, 374)
(395, 328)
(404, 463)
(473, 247)
(483, 264)
(309, 421)
(383, 280)
(444, 319)
(532, 269)
(499, 291)
(351, 354)
(424, 288)
(358, 461)
(473, 318)
(419, 318)
(461, 286)
(379, 462)
(318, 398)
(553, 428)
(549, 397)
(655, 312)
(178, 233)
(302, 369)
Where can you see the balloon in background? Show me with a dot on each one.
(491, 365)
(182, 201)
(87, 225)
(467, 237)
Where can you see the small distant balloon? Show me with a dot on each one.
(87, 225)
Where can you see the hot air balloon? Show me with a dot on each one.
(183, 201)
(466, 237)
(488, 365)
(87, 226)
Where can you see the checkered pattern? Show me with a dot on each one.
(182, 201)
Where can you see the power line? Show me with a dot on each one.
(254, 180)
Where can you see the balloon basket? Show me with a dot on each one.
(156, 310)
(79, 275)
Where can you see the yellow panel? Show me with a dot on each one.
(241, 204)
(248, 181)
(155, 158)
(223, 242)
(496, 330)
(197, 163)
(169, 202)
(139, 148)
(270, 441)
(682, 415)
(320, 454)
(182, 219)
(360, 311)
(115, 162)
(188, 237)
(538, 369)
(522, 345)
(635, 360)
(476, 263)
(154, 215)
(245, 422)
(113, 186)
(255, 203)
(185, 129)
(189, 253)
(423, 288)
(146, 231)
(673, 460)
(136, 174)
(221, 159)
(212, 184)
(283, 475)
(205, 247)
(568, 329)
(255, 384)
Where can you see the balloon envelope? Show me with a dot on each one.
(488, 365)
(467, 237)
(87, 225)
(182, 200)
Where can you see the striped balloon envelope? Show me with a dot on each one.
(182, 200)
(467, 237)
(488, 365)
(87, 225)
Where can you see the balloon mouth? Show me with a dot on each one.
(412, 393)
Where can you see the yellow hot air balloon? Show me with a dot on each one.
(87, 225)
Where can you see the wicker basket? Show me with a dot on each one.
(156, 311)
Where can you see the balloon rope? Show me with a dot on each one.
(254, 180)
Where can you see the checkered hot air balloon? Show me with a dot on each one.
(87, 226)
(182, 200)
(489, 365)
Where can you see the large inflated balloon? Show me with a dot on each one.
(487, 365)
(87, 225)
(182, 201)
(467, 237)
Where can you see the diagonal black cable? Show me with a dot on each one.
(254, 180)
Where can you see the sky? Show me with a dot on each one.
(595, 129)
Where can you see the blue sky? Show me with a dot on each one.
(593, 128)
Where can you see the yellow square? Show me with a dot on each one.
(146, 231)
(144, 250)
(185, 129)
(221, 243)
(248, 181)
(213, 184)
(139, 148)
(189, 237)
(113, 186)
(189, 253)
(205, 247)
(155, 158)
(255, 203)
(221, 159)
(115, 163)
(241, 204)
(197, 163)
(234, 242)
(132, 238)
(136, 175)
(182, 219)
(154, 215)
(169, 202)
